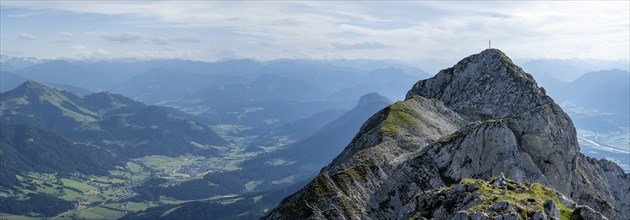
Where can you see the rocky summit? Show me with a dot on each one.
(479, 140)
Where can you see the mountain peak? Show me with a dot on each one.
(493, 57)
(481, 118)
(36, 88)
(487, 85)
(492, 52)
(33, 84)
(372, 98)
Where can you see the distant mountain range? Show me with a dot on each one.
(302, 159)
(131, 78)
(285, 169)
(9, 63)
(50, 130)
(571, 69)
(47, 129)
(262, 96)
(605, 90)
(251, 133)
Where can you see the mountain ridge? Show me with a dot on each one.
(25, 148)
(282, 171)
(480, 118)
(101, 117)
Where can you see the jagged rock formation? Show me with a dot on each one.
(499, 198)
(479, 119)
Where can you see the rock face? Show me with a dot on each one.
(478, 199)
(480, 119)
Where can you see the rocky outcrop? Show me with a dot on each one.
(483, 86)
(482, 118)
(478, 199)
(388, 139)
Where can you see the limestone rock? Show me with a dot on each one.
(585, 212)
(551, 210)
(425, 157)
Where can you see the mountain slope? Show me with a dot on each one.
(307, 126)
(264, 87)
(304, 158)
(480, 118)
(25, 149)
(593, 90)
(158, 85)
(108, 120)
(279, 171)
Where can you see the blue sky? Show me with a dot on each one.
(265, 30)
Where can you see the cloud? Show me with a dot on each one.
(393, 30)
(187, 39)
(26, 37)
(167, 54)
(157, 40)
(359, 46)
(83, 51)
(101, 53)
(65, 34)
(131, 38)
(122, 38)
(78, 47)
(64, 37)
(18, 15)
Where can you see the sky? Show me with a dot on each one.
(267, 30)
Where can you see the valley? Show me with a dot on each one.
(602, 134)
(228, 146)
(111, 196)
(281, 110)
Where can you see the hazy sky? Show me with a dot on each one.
(210, 30)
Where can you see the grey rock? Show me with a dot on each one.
(585, 212)
(539, 216)
(461, 216)
(510, 216)
(479, 216)
(551, 210)
(478, 119)
(441, 213)
(483, 86)
(500, 181)
(501, 207)
(471, 187)
(459, 188)
(476, 194)
(566, 201)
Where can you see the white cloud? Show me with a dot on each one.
(101, 53)
(18, 15)
(83, 51)
(359, 46)
(78, 47)
(131, 38)
(401, 30)
(64, 37)
(166, 54)
(66, 34)
(187, 39)
(26, 37)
